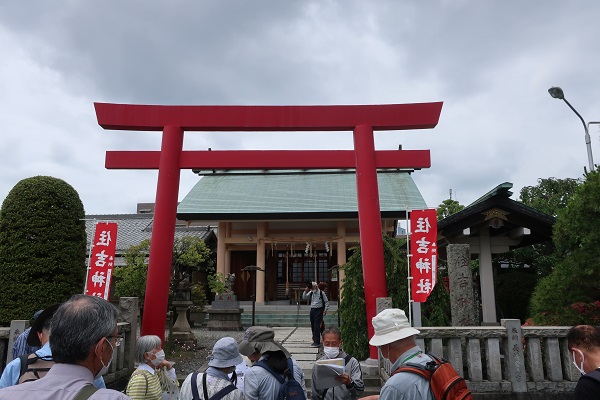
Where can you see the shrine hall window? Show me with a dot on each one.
(301, 267)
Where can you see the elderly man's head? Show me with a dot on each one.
(393, 333)
(84, 331)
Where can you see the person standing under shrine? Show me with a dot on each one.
(319, 304)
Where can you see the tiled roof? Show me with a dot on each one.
(134, 228)
(294, 195)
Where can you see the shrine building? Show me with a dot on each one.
(295, 225)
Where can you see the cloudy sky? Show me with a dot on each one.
(491, 63)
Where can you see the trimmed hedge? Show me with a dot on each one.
(42, 246)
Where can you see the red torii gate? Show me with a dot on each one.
(174, 120)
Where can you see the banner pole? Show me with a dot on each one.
(87, 271)
(408, 276)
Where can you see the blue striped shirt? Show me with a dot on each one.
(20, 347)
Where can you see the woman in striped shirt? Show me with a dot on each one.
(144, 383)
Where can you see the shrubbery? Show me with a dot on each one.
(573, 287)
(42, 246)
(354, 324)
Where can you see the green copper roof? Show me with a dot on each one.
(294, 196)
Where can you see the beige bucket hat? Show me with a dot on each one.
(391, 325)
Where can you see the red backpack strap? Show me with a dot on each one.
(413, 369)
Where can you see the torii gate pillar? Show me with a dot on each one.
(174, 120)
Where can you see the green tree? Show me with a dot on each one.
(130, 279)
(448, 207)
(550, 195)
(190, 254)
(434, 312)
(42, 246)
(575, 280)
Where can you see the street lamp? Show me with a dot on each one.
(558, 93)
(253, 271)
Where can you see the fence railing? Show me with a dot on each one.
(504, 359)
(122, 364)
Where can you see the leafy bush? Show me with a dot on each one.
(435, 312)
(190, 254)
(42, 246)
(130, 279)
(216, 283)
(576, 278)
(198, 297)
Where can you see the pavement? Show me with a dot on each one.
(297, 341)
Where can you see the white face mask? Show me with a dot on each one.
(104, 368)
(580, 366)
(160, 357)
(331, 352)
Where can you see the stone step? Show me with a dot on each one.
(283, 320)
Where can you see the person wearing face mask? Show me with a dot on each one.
(351, 383)
(145, 382)
(215, 383)
(83, 337)
(584, 343)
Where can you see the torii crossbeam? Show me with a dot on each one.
(174, 120)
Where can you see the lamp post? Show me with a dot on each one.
(558, 93)
(252, 269)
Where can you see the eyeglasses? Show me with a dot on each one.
(118, 339)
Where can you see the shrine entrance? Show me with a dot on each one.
(362, 120)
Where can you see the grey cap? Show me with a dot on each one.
(260, 339)
(225, 354)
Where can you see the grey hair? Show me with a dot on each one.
(78, 325)
(144, 345)
(334, 330)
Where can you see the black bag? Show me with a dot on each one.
(290, 388)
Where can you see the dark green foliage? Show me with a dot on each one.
(190, 254)
(448, 207)
(513, 292)
(42, 246)
(354, 324)
(550, 195)
(130, 279)
(353, 314)
(575, 279)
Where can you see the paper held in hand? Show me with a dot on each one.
(327, 370)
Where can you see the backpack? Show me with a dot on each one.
(217, 396)
(290, 388)
(321, 295)
(34, 367)
(445, 383)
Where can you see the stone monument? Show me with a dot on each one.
(462, 301)
(225, 313)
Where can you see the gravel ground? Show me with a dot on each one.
(190, 359)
